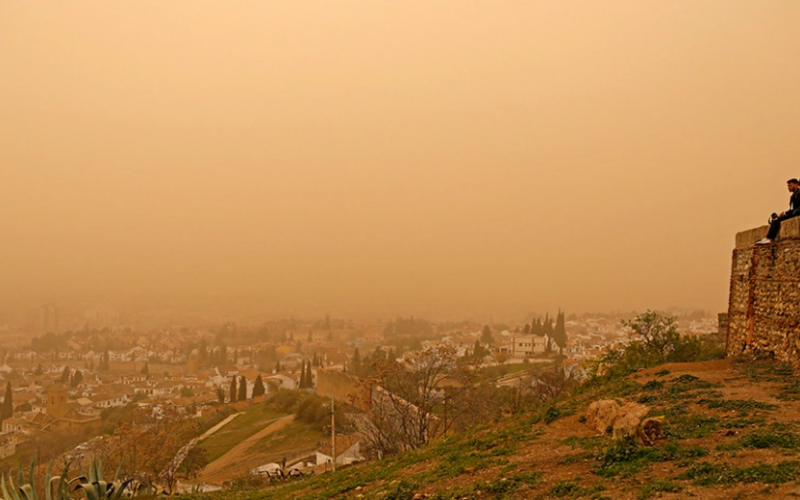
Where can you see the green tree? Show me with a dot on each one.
(277, 367)
(8, 403)
(477, 350)
(145, 369)
(258, 387)
(656, 332)
(76, 379)
(242, 389)
(547, 327)
(65, 375)
(486, 336)
(38, 371)
(233, 390)
(309, 376)
(560, 332)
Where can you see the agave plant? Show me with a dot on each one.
(93, 485)
(27, 491)
(147, 489)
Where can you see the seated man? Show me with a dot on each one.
(794, 211)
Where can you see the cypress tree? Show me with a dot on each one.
(302, 384)
(242, 389)
(233, 393)
(486, 335)
(258, 386)
(560, 332)
(477, 350)
(8, 403)
(548, 326)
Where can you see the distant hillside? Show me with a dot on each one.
(730, 432)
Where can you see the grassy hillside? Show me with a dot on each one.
(251, 420)
(730, 433)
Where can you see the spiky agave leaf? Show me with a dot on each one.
(28, 492)
(20, 475)
(90, 490)
(92, 471)
(54, 484)
(6, 496)
(102, 488)
(119, 469)
(31, 484)
(14, 490)
(118, 491)
(63, 483)
(48, 476)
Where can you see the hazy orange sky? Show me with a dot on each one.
(429, 157)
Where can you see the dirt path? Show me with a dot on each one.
(217, 427)
(220, 468)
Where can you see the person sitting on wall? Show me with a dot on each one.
(775, 219)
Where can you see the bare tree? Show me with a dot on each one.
(553, 382)
(153, 445)
(416, 400)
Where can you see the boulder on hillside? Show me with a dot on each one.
(602, 414)
(624, 420)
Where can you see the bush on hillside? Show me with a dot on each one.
(656, 340)
(308, 408)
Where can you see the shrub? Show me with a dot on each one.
(551, 414)
(656, 340)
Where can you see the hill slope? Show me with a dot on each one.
(730, 433)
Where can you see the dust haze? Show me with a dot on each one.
(377, 158)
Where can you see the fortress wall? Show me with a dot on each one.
(764, 300)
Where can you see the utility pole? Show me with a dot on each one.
(333, 432)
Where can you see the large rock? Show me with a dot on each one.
(625, 421)
(602, 414)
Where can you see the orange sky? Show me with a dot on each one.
(438, 158)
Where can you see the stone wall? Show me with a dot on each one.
(764, 300)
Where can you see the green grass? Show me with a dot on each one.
(296, 439)
(654, 486)
(571, 489)
(627, 457)
(250, 421)
(763, 440)
(708, 474)
(740, 405)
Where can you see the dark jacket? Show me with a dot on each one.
(794, 205)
